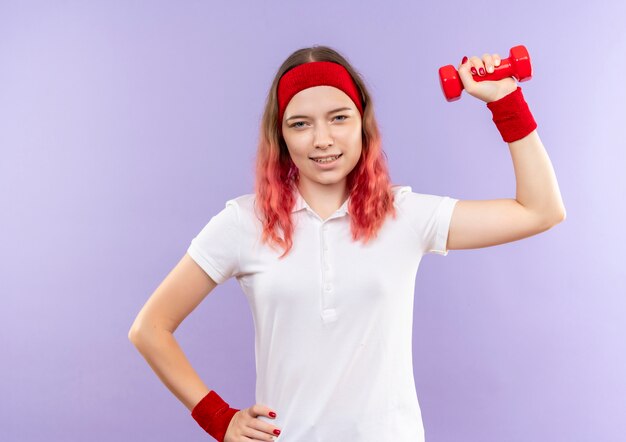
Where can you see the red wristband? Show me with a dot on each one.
(512, 116)
(213, 415)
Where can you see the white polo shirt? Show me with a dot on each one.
(334, 318)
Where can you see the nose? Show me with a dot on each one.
(323, 136)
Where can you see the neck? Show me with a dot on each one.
(324, 198)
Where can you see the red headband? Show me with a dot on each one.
(315, 73)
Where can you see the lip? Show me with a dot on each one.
(325, 156)
(329, 165)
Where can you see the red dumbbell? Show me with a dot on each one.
(517, 65)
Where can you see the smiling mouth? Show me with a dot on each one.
(327, 160)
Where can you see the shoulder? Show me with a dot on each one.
(245, 207)
(399, 191)
(415, 202)
(242, 201)
(404, 194)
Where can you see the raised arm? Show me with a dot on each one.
(537, 206)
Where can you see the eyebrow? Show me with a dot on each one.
(330, 112)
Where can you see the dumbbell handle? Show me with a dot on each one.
(516, 65)
(503, 71)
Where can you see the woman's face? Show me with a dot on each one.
(322, 121)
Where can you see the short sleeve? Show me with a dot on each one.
(429, 216)
(216, 247)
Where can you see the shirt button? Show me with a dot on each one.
(327, 287)
(329, 315)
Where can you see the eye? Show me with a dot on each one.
(302, 122)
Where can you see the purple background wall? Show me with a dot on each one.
(124, 126)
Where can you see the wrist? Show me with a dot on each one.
(512, 116)
(504, 93)
(213, 414)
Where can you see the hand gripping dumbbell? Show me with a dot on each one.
(517, 65)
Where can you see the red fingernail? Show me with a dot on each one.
(474, 71)
(277, 432)
(272, 414)
(464, 60)
(482, 71)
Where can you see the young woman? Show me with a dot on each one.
(326, 250)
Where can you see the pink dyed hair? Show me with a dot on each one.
(371, 197)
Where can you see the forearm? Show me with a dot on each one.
(537, 187)
(162, 352)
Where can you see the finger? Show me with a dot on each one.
(249, 439)
(477, 63)
(471, 68)
(264, 430)
(496, 60)
(466, 76)
(254, 429)
(261, 410)
(267, 429)
(488, 61)
(255, 434)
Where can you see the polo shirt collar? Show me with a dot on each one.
(302, 204)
